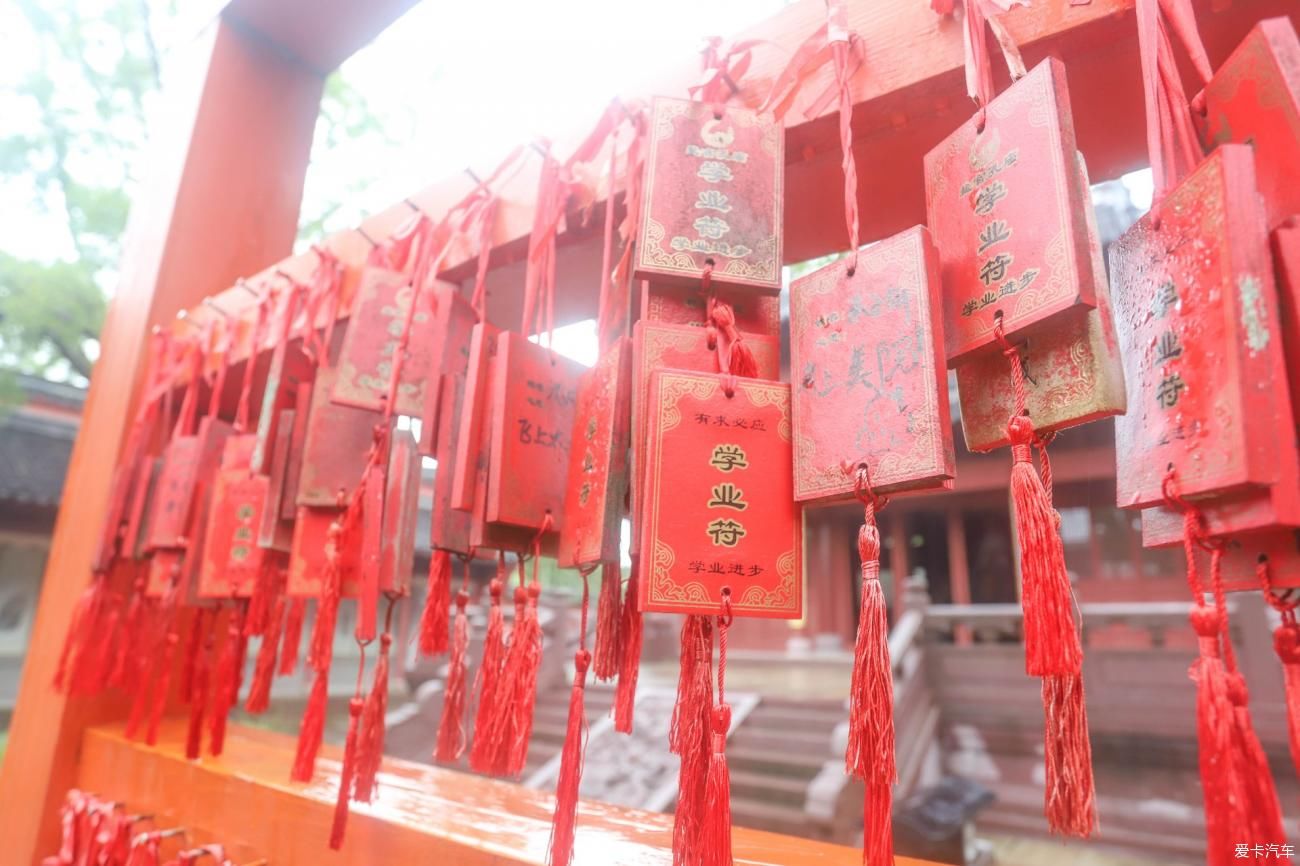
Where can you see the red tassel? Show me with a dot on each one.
(92, 667)
(320, 651)
(513, 728)
(689, 723)
(194, 647)
(292, 637)
(451, 729)
(200, 680)
(225, 695)
(609, 651)
(1051, 642)
(371, 739)
(564, 821)
(83, 629)
(630, 665)
(146, 850)
(1286, 643)
(1260, 810)
(715, 834)
(259, 691)
(122, 672)
(312, 729)
(162, 685)
(1214, 730)
(1070, 799)
(435, 620)
(870, 753)
(339, 825)
(689, 736)
(141, 667)
(265, 592)
(482, 758)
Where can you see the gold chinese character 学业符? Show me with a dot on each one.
(728, 495)
(725, 532)
(728, 457)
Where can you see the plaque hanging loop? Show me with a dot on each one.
(979, 70)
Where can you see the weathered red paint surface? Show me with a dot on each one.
(869, 380)
(1006, 208)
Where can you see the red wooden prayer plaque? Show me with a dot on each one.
(719, 501)
(658, 346)
(338, 442)
(454, 321)
(685, 305)
(273, 532)
(365, 365)
(137, 527)
(1006, 208)
(866, 355)
(124, 492)
(597, 477)
(189, 464)
(712, 195)
(307, 562)
(470, 458)
(535, 391)
(449, 527)
(1073, 373)
(1254, 98)
(401, 507)
(297, 445)
(1286, 266)
(232, 559)
(1196, 317)
(1279, 545)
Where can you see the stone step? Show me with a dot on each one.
(771, 762)
(767, 788)
(815, 744)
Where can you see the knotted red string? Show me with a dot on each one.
(1286, 643)
(715, 830)
(690, 737)
(564, 820)
(1172, 143)
(630, 632)
(482, 758)
(870, 751)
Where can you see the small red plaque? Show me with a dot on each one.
(273, 532)
(307, 561)
(719, 501)
(866, 354)
(597, 478)
(1196, 317)
(658, 346)
(1006, 208)
(1072, 369)
(337, 444)
(189, 464)
(1254, 98)
(683, 305)
(712, 194)
(365, 365)
(470, 458)
(232, 560)
(449, 528)
(401, 506)
(535, 391)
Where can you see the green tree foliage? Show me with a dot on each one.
(73, 123)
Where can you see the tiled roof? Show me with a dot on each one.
(34, 448)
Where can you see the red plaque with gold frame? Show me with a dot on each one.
(1005, 205)
(598, 465)
(1197, 322)
(1254, 98)
(713, 195)
(657, 346)
(719, 507)
(866, 354)
(1073, 373)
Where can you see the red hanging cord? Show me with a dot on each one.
(482, 756)
(564, 820)
(715, 832)
(451, 728)
(1286, 643)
